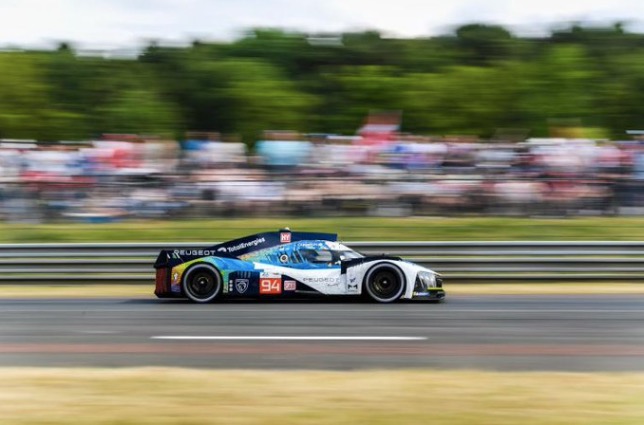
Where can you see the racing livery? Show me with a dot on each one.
(284, 264)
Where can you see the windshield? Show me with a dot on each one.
(345, 253)
(329, 252)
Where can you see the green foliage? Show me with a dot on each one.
(474, 80)
(484, 44)
(23, 96)
(460, 100)
(139, 112)
(348, 229)
(259, 98)
(357, 90)
(559, 85)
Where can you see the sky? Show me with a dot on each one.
(109, 24)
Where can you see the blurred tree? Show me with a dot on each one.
(426, 54)
(66, 79)
(258, 97)
(353, 92)
(558, 85)
(473, 80)
(286, 50)
(618, 104)
(139, 111)
(26, 107)
(484, 44)
(241, 96)
(460, 100)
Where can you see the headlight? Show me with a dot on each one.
(426, 279)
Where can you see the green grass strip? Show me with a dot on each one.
(349, 229)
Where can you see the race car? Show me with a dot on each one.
(287, 264)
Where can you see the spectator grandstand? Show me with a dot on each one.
(130, 176)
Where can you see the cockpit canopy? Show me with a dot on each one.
(302, 253)
(324, 252)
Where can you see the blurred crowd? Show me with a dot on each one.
(129, 176)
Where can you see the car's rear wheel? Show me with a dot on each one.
(202, 283)
(384, 283)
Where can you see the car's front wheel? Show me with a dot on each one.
(384, 283)
(202, 283)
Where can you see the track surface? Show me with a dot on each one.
(570, 333)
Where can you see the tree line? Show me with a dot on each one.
(475, 80)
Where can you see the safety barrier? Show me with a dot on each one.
(457, 261)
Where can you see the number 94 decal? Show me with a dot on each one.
(270, 286)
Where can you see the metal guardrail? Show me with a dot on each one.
(457, 261)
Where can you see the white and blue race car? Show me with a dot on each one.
(287, 264)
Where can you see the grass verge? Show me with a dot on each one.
(146, 291)
(348, 228)
(76, 291)
(173, 396)
(550, 288)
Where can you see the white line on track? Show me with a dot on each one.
(291, 338)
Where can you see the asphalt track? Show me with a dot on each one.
(563, 333)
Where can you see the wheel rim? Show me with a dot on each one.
(385, 284)
(202, 285)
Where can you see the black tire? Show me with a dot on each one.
(384, 283)
(202, 283)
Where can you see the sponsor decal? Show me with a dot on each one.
(283, 258)
(353, 285)
(285, 237)
(324, 280)
(175, 277)
(290, 285)
(194, 252)
(270, 286)
(243, 245)
(241, 285)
